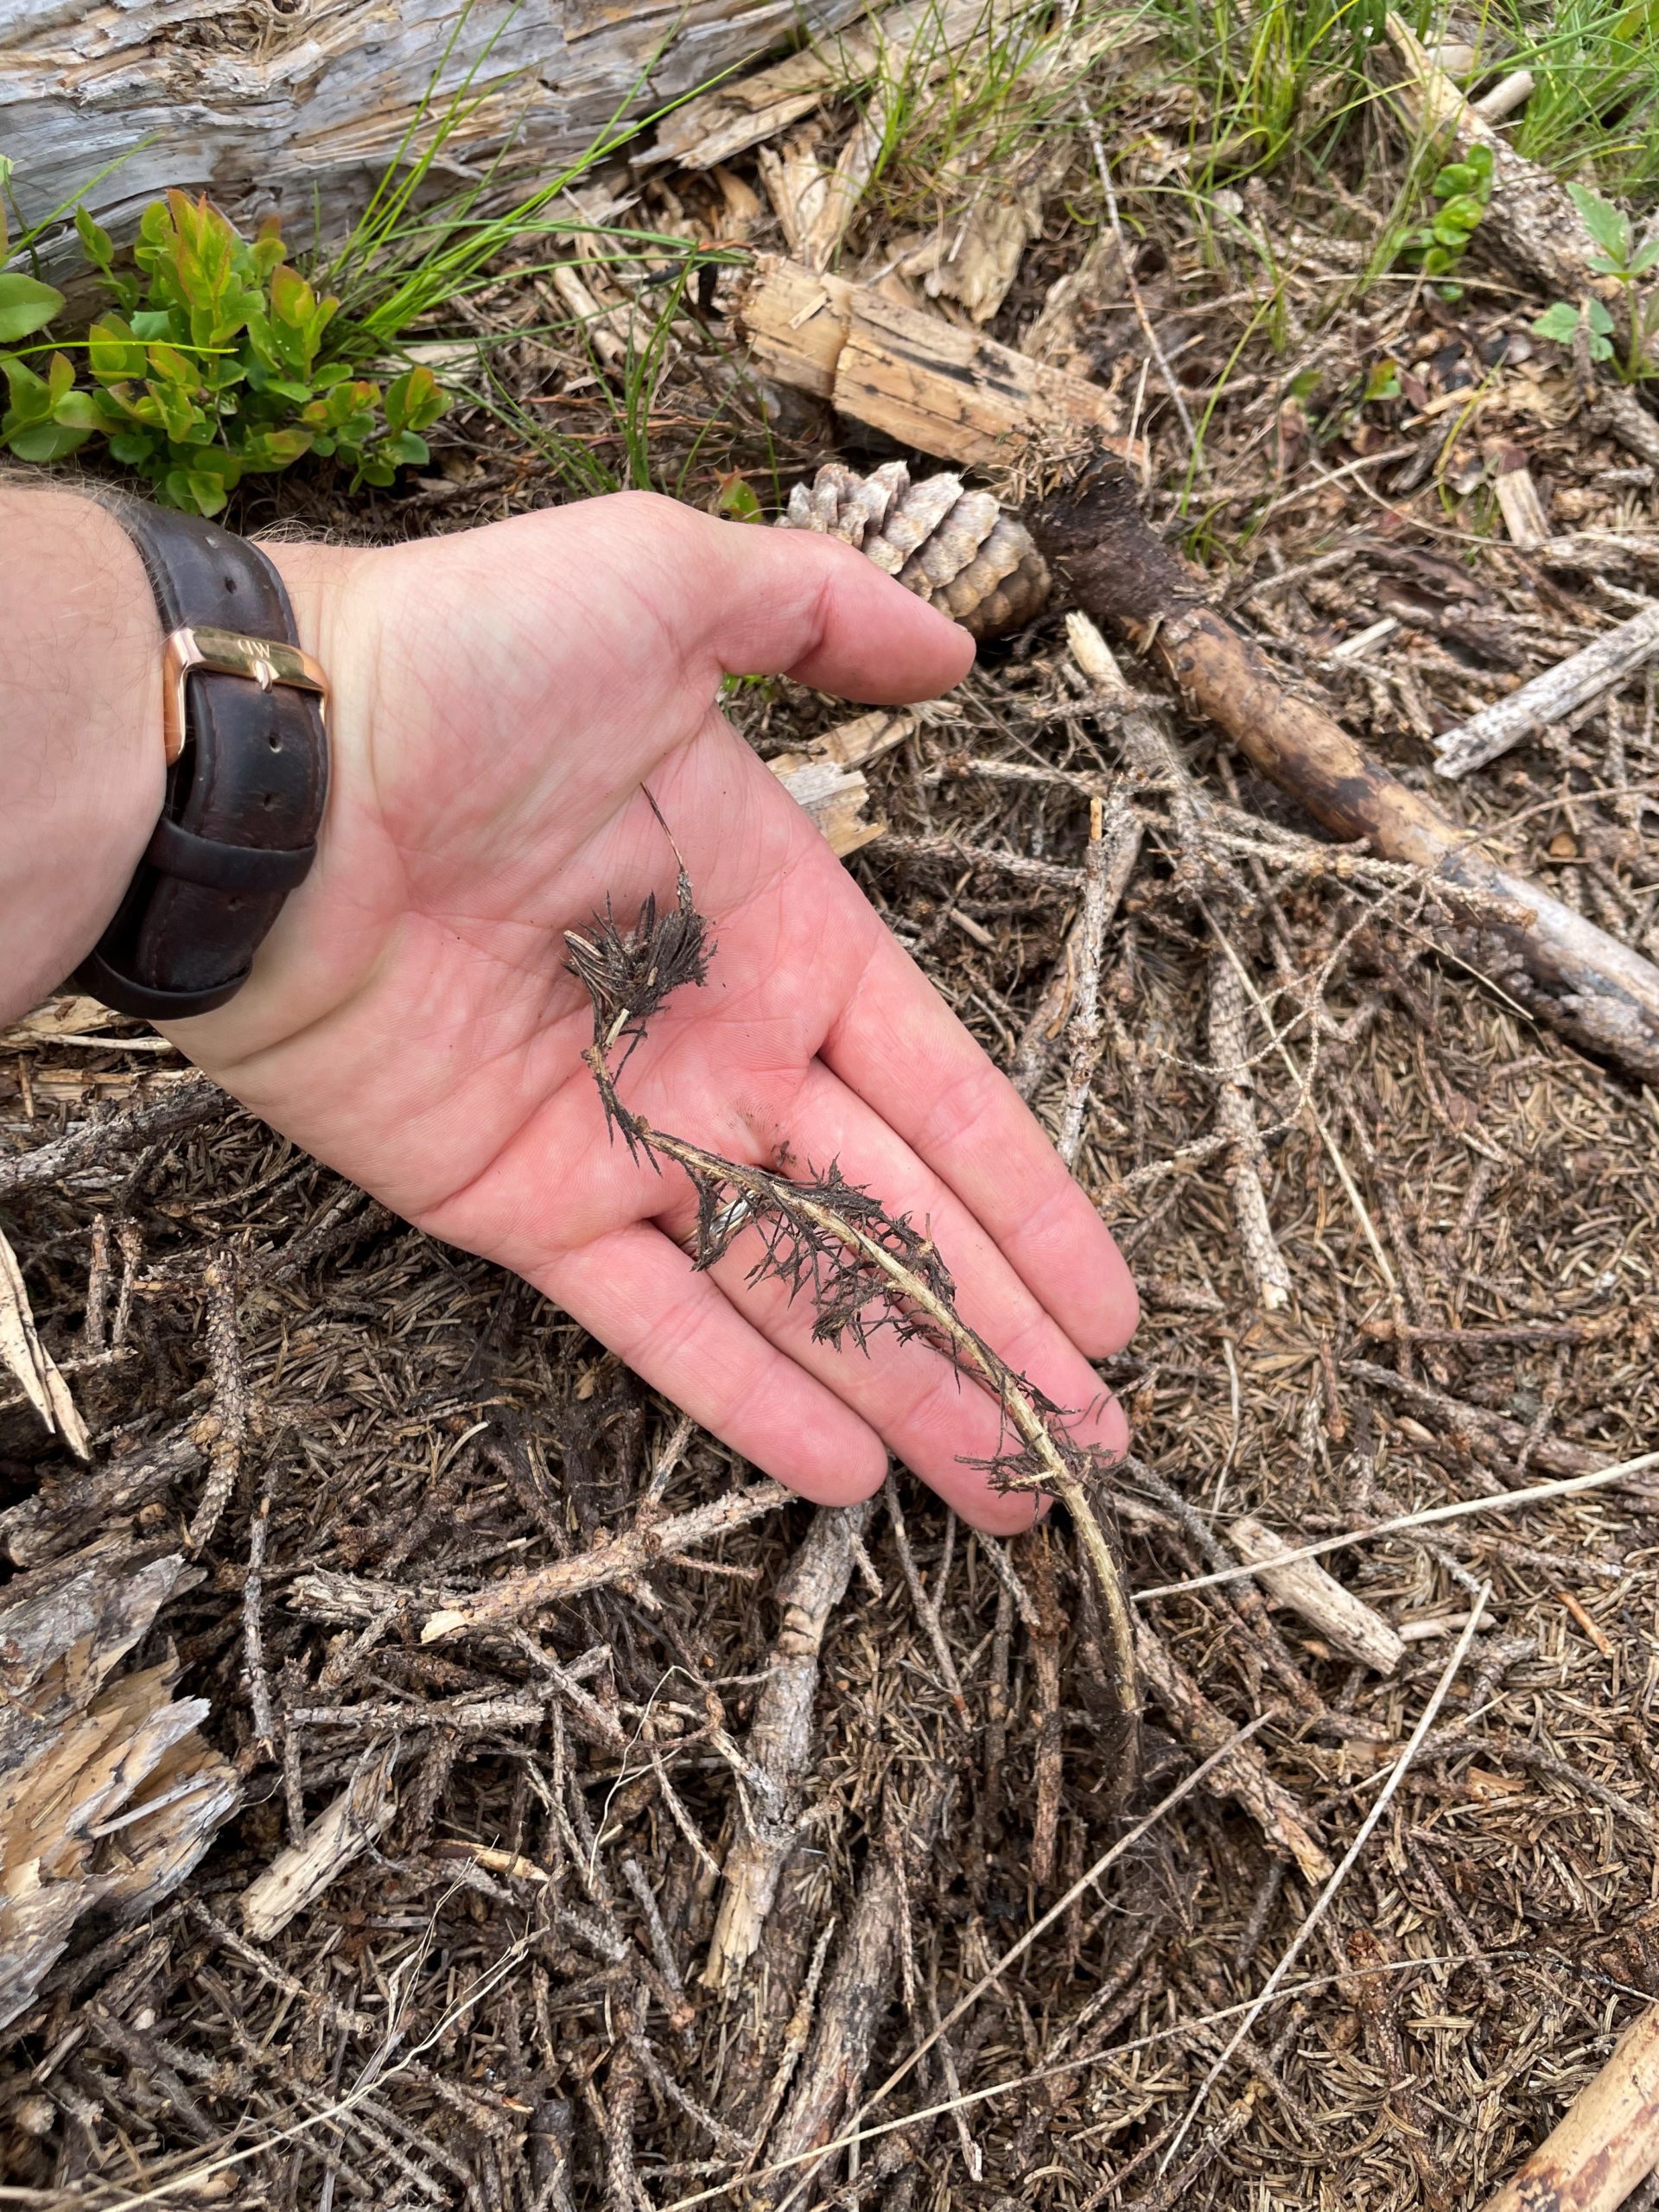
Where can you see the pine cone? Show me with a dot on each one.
(957, 550)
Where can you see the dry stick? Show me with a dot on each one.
(1595, 990)
(230, 1414)
(1108, 862)
(1549, 698)
(1235, 1115)
(1245, 1776)
(1529, 215)
(1609, 2140)
(1322, 1903)
(1459, 1507)
(927, 1611)
(183, 1108)
(780, 1740)
(856, 1995)
(1346, 1623)
(610, 1560)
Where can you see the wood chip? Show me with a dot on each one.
(922, 380)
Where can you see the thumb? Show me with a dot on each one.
(752, 602)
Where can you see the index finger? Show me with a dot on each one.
(898, 1045)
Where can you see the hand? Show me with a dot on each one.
(501, 698)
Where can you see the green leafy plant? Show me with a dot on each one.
(217, 361)
(1621, 257)
(1463, 189)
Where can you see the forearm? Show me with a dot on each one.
(81, 766)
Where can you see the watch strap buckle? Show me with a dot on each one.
(195, 648)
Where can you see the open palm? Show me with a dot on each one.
(501, 699)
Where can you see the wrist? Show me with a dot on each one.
(82, 771)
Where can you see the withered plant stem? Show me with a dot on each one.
(768, 1193)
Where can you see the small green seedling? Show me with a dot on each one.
(1621, 259)
(215, 363)
(1463, 188)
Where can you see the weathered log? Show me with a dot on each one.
(123, 102)
(1597, 992)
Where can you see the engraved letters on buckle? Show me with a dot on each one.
(263, 661)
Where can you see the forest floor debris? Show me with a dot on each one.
(584, 1823)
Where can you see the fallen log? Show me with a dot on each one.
(1551, 697)
(925, 382)
(303, 118)
(1595, 991)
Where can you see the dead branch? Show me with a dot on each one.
(779, 1741)
(1243, 1773)
(857, 1993)
(60, 1515)
(1530, 216)
(1609, 2140)
(1236, 1117)
(1346, 1623)
(1595, 990)
(613, 1560)
(1551, 697)
(185, 1106)
(339, 1834)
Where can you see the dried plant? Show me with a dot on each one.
(861, 1268)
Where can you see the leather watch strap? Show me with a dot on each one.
(246, 786)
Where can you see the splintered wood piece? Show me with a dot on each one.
(1243, 1773)
(1346, 1623)
(1609, 2140)
(728, 119)
(1520, 507)
(108, 1793)
(1597, 991)
(836, 799)
(779, 1741)
(31, 1362)
(1550, 698)
(852, 744)
(339, 1834)
(922, 380)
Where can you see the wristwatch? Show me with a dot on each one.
(247, 773)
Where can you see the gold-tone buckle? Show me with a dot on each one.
(263, 661)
